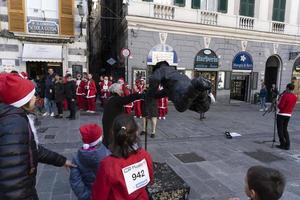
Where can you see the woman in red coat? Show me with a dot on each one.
(91, 94)
(139, 88)
(126, 173)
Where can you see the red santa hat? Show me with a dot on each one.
(91, 135)
(23, 75)
(14, 90)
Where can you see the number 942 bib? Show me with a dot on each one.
(136, 176)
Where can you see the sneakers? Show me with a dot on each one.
(152, 135)
(45, 114)
(92, 111)
(52, 114)
(261, 110)
(142, 133)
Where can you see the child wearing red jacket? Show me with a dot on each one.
(126, 173)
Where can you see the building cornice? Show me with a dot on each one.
(187, 28)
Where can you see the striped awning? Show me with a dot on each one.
(42, 53)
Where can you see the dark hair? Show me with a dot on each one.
(124, 136)
(290, 86)
(68, 75)
(267, 183)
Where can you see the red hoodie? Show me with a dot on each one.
(123, 178)
(287, 104)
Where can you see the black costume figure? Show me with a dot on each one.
(182, 91)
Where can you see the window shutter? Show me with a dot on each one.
(279, 10)
(180, 3)
(16, 15)
(222, 6)
(196, 4)
(66, 17)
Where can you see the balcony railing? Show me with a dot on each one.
(164, 11)
(278, 27)
(246, 22)
(208, 17)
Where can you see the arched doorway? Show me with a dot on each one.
(296, 77)
(271, 73)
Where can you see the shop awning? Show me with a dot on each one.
(42, 53)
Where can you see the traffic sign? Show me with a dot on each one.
(111, 61)
(125, 52)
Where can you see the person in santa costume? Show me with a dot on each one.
(20, 148)
(87, 159)
(139, 88)
(91, 94)
(162, 106)
(126, 92)
(79, 92)
(104, 90)
(82, 87)
(126, 173)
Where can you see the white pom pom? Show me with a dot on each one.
(86, 146)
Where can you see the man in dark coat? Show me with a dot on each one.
(19, 148)
(49, 93)
(59, 95)
(70, 93)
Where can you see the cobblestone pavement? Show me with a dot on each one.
(221, 174)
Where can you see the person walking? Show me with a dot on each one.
(162, 106)
(263, 96)
(70, 94)
(49, 93)
(20, 148)
(59, 95)
(286, 105)
(137, 105)
(79, 92)
(104, 90)
(126, 173)
(91, 94)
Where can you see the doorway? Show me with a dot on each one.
(239, 87)
(271, 74)
(41, 68)
(210, 75)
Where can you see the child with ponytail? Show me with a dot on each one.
(126, 173)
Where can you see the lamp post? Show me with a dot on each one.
(81, 14)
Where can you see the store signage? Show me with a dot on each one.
(162, 52)
(42, 27)
(206, 58)
(162, 56)
(242, 61)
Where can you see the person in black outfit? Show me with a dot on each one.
(70, 94)
(113, 108)
(59, 95)
(20, 151)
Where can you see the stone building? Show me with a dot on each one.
(40, 34)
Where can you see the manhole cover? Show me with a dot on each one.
(49, 136)
(189, 157)
(42, 130)
(263, 156)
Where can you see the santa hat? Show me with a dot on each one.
(14, 90)
(23, 75)
(91, 135)
(121, 80)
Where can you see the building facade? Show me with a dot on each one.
(237, 44)
(40, 34)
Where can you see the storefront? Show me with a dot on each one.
(206, 64)
(242, 67)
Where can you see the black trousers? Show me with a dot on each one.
(59, 106)
(282, 129)
(72, 108)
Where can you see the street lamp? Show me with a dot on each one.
(81, 14)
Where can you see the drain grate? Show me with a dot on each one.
(49, 137)
(189, 157)
(263, 156)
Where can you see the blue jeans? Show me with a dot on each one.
(49, 105)
(263, 103)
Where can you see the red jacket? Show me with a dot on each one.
(110, 182)
(81, 87)
(91, 89)
(104, 89)
(287, 104)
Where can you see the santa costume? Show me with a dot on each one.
(91, 95)
(104, 91)
(139, 88)
(80, 94)
(162, 105)
(126, 92)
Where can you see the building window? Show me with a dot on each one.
(211, 5)
(279, 10)
(196, 4)
(43, 9)
(222, 6)
(180, 3)
(148, 0)
(247, 8)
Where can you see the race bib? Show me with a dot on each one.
(136, 176)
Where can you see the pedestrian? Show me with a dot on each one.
(111, 79)
(126, 173)
(139, 88)
(286, 105)
(263, 183)
(87, 160)
(91, 94)
(274, 93)
(39, 93)
(49, 93)
(162, 106)
(263, 96)
(104, 90)
(20, 148)
(113, 108)
(82, 87)
(79, 92)
(126, 91)
(59, 95)
(70, 94)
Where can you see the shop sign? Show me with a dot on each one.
(206, 58)
(162, 52)
(42, 27)
(242, 61)
(162, 56)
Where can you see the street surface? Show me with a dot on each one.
(222, 165)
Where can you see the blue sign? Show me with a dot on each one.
(242, 61)
(206, 58)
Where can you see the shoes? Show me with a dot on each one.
(281, 147)
(52, 114)
(45, 114)
(152, 135)
(227, 134)
(92, 111)
(164, 118)
(72, 118)
(266, 109)
(261, 110)
(68, 117)
(142, 133)
(58, 116)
